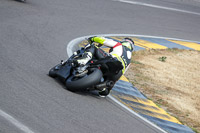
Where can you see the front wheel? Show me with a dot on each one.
(52, 71)
(93, 77)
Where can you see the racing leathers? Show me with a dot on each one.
(118, 51)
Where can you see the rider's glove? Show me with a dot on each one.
(91, 39)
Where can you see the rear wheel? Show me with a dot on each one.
(92, 78)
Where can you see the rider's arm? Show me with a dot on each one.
(105, 41)
(117, 46)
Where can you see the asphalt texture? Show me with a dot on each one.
(33, 38)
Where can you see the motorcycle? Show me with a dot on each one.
(97, 74)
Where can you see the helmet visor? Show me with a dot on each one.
(127, 44)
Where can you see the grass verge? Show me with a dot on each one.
(171, 78)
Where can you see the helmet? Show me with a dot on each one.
(129, 43)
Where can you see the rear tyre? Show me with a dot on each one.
(93, 77)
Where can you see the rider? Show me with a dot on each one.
(121, 51)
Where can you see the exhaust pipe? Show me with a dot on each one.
(107, 84)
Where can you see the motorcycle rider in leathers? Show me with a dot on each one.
(120, 51)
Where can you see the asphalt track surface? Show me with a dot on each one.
(33, 38)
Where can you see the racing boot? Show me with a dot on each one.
(87, 56)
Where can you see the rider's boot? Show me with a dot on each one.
(87, 56)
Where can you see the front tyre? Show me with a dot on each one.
(92, 78)
(52, 73)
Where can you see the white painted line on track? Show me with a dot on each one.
(15, 122)
(157, 6)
